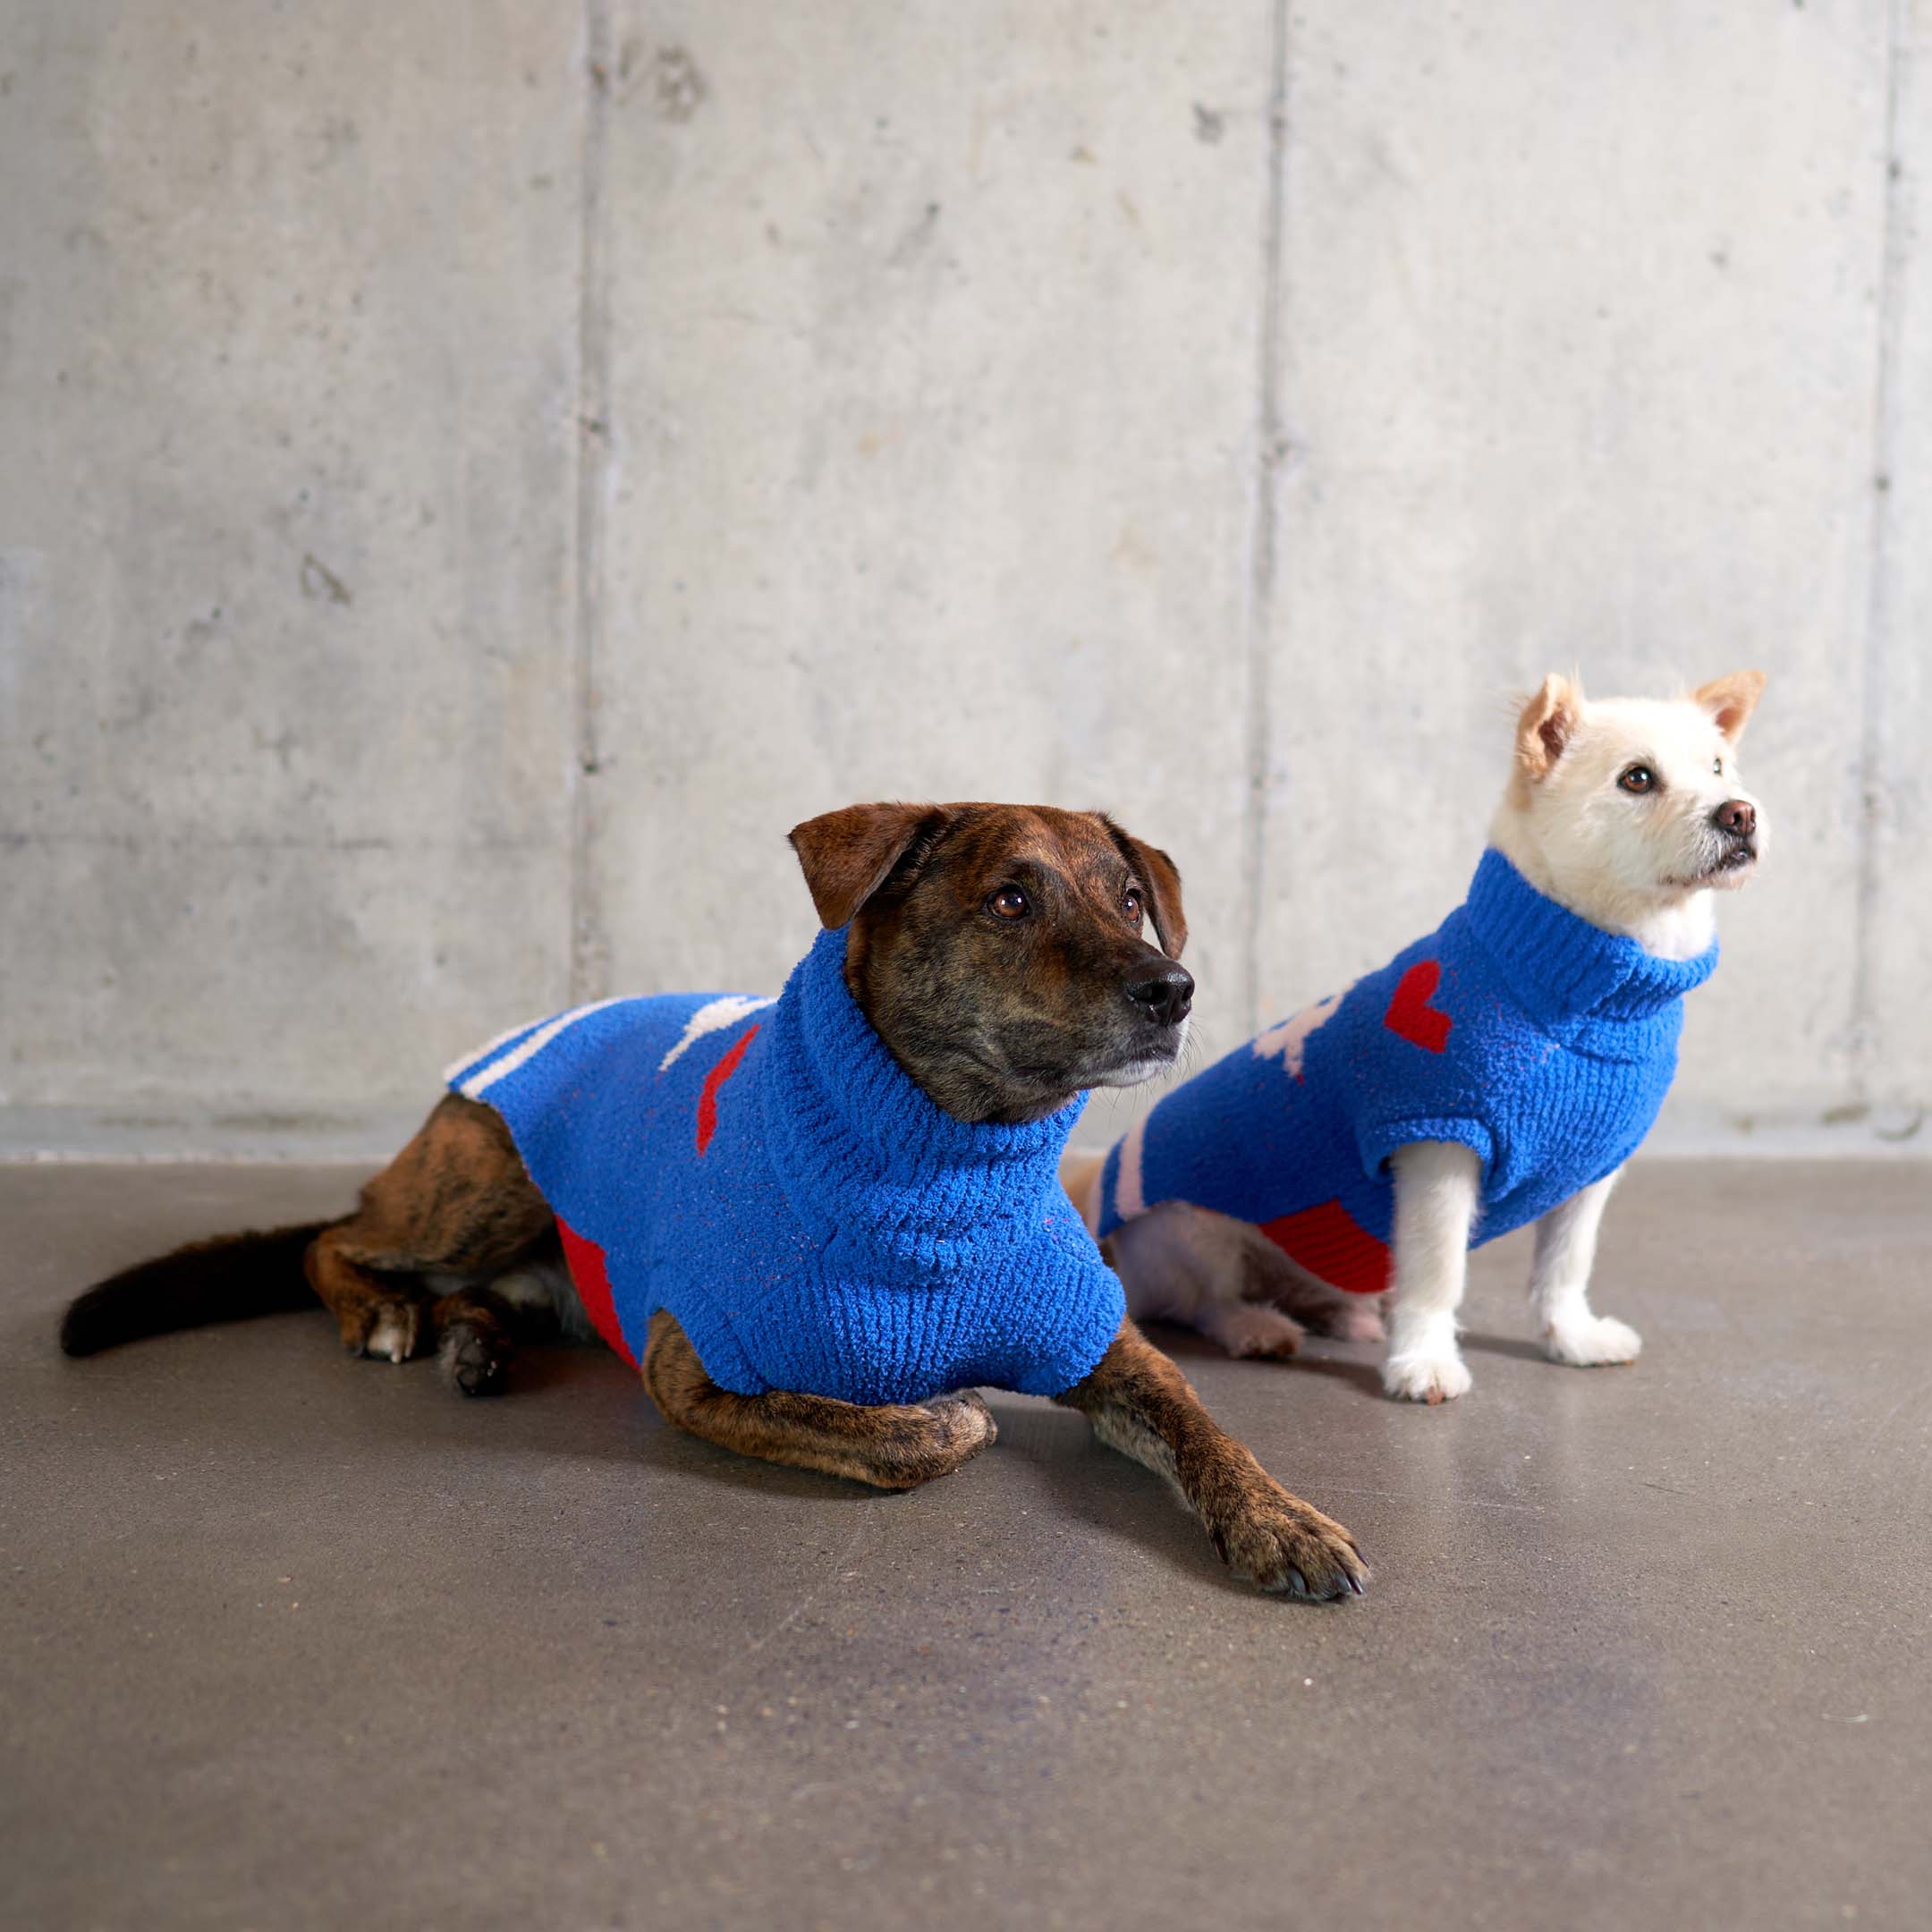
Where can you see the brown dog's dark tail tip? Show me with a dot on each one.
(225, 1280)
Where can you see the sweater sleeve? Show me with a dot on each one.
(1377, 1138)
(1422, 1057)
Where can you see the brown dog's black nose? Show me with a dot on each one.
(1164, 994)
(1738, 816)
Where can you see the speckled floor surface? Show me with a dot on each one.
(292, 1640)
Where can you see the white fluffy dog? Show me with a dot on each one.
(1628, 814)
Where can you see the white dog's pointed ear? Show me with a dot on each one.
(1546, 724)
(1731, 700)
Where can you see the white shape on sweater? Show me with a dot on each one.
(484, 1078)
(725, 1011)
(478, 1056)
(1290, 1039)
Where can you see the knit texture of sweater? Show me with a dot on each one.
(1538, 1041)
(768, 1173)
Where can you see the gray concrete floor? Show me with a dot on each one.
(294, 1641)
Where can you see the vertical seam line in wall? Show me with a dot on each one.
(1261, 556)
(589, 949)
(1878, 620)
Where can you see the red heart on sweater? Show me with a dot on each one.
(1409, 1015)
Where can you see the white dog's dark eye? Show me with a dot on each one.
(1638, 778)
(1716, 765)
(1009, 902)
(1131, 905)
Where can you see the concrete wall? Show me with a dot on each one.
(476, 475)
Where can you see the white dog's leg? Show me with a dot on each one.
(1438, 1185)
(1184, 1264)
(1559, 1285)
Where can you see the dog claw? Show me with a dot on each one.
(1425, 1376)
(1290, 1549)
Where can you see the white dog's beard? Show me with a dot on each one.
(1719, 867)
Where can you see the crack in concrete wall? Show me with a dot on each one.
(1265, 533)
(1863, 1032)
(590, 944)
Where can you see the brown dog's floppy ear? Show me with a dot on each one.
(847, 854)
(1160, 884)
(1731, 700)
(1546, 724)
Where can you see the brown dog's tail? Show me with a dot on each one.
(227, 1279)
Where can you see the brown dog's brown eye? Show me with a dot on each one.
(1009, 902)
(1638, 778)
(1130, 905)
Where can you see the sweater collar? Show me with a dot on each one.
(1561, 969)
(842, 1084)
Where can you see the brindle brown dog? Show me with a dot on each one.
(998, 951)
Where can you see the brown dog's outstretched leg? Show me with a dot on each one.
(1141, 1404)
(456, 1200)
(895, 1446)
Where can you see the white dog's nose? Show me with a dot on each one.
(1738, 816)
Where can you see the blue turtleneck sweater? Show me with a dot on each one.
(1542, 1042)
(767, 1172)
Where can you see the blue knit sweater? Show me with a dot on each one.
(767, 1172)
(1542, 1042)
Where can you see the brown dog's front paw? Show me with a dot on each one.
(965, 1427)
(1278, 1542)
(911, 1444)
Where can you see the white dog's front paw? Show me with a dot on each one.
(1426, 1376)
(1592, 1340)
